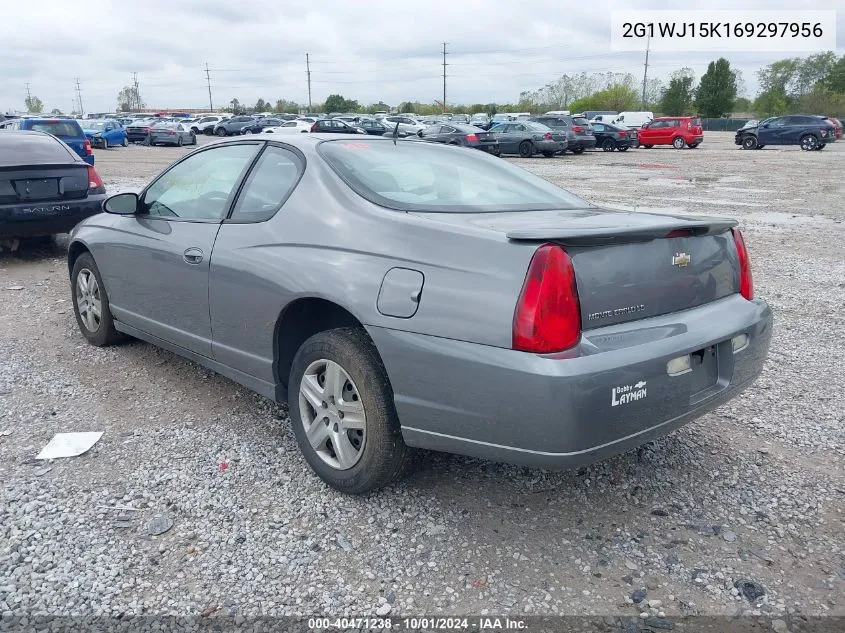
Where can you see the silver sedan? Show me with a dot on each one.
(172, 133)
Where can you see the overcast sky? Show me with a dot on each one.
(366, 50)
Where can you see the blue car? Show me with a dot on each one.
(105, 133)
(66, 130)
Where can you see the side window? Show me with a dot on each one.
(598, 127)
(199, 187)
(519, 128)
(268, 186)
(779, 122)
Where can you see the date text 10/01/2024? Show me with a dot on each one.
(420, 623)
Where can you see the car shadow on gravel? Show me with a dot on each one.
(32, 249)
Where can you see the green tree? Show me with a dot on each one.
(717, 90)
(129, 99)
(742, 104)
(335, 103)
(677, 98)
(835, 80)
(771, 102)
(34, 104)
(617, 97)
(260, 105)
(283, 106)
(235, 106)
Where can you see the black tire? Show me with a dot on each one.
(692, 145)
(578, 150)
(678, 143)
(220, 132)
(125, 142)
(179, 142)
(820, 147)
(193, 138)
(809, 142)
(384, 456)
(147, 141)
(548, 154)
(526, 149)
(105, 332)
(749, 142)
(608, 145)
(624, 148)
(105, 143)
(648, 146)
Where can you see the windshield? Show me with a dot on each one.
(94, 125)
(410, 176)
(58, 128)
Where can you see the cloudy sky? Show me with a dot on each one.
(366, 50)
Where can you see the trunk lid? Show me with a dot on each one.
(628, 265)
(43, 183)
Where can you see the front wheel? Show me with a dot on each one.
(247, 131)
(105, 143)
(193, 139)
(91, 303)
(820, 147)
(179, 142)
(607, 145)
(749, 142)
(577, 150)
(678, 143)
(526, 149)
(220, 132)
(809, 143)
(342, 411)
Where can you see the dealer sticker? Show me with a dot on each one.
(628, 393)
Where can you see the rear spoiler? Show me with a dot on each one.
(615, 233)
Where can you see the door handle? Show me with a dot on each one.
(192, 255)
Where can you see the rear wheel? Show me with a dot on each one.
(678, 143)
(548, 154)
(220, 132)
(247, 131)
(91, 303)
(526, 149)
(809, 142)
(342, 411)
(577, 150)
(607, 145)
(749, 142)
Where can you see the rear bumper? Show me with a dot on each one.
(555, 412)
(164, 140)
(549, 146)
(34, 219)
(135, 137)
(587, 142)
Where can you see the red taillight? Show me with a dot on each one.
(623, 134)
(548, 316)
(87, 147)
(547, 136)
(170, 132)
(679, 233)
(94, 180)
(577, 128)
(746, 282)
(314, 128)
(472, 138)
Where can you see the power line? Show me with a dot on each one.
(645, 68)
(208, 83)
(79, 97)
(444, 75)
(308, 73)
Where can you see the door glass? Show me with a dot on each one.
(199, 186)
(268, 185)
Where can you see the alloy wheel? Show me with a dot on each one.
(88, 300)
(332, 414)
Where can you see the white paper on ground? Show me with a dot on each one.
(69, 444)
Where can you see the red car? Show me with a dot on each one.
(837, 127)
(677, 131)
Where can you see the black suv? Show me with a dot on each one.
(810, 132)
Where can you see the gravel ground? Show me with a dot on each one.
(751, 493)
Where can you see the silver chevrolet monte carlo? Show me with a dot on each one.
(407, 294)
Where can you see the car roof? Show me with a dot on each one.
(19, 147)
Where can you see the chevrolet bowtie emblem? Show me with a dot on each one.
(681, 259)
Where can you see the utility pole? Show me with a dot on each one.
(79, 97)
(645, 70)
(308, 73)
(444, 75)
(208, 83)
(136, 96)
(28, 96)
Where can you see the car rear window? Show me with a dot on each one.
(32, 149)
(695, 121)
(57, 128)
(415, 176)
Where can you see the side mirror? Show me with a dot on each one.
(122, 204)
